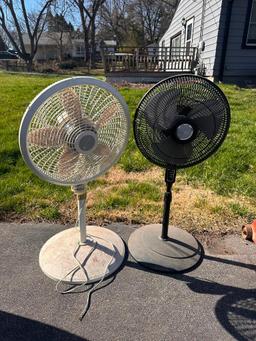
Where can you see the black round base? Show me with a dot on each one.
(180, 253)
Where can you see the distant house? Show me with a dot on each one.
(65, 45)
(224, 33)
(110, 45)
(56, 45)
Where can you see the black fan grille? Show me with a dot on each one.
(181, 96)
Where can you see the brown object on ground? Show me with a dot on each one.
(247, 232)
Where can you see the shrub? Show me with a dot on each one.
(67, 65)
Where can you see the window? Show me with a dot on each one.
(163, 49)
(251, 35)
(175, 44)
(249, 40)
(189, 35)
(176, 41)
(80, 50)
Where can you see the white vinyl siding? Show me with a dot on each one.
(190, 9)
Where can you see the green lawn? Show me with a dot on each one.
(230, 174)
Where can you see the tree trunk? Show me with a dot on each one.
(93, 43)
(86, 47)
(29, 65)
(85, 32)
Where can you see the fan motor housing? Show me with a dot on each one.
(81, 135)
(184, 130)
(86, 141)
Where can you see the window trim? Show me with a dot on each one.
(163, 49)
(245, 45)
(188, 22)
(175, 36)
(171, 42)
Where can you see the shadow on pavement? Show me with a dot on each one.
(13, 328)
(235, 310)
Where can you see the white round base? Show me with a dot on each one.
(56, 256)
(181, 252)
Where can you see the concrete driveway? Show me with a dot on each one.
(217, 301)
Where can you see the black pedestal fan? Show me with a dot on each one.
(180, 122)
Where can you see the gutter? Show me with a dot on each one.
(225, 38)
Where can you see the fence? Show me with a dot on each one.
(149, 59)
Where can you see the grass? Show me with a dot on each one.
(219, 192)
(233, 169)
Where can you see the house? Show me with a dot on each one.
(57, 45)
(62, 45)
(223, 31)
(109, 44)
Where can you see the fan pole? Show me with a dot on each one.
(80, 191)
(170, 176)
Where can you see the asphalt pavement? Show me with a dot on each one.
(217, 301)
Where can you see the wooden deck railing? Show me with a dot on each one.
(149, 59)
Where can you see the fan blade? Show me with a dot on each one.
(67, 161)
(73, 109)
(162, 108)
(46, 137)
(107, 115)
(202, 115)
(102, 150)
(172, 151)
(206, 125)
(71, 103)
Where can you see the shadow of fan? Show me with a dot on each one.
(237, 314)
(13, 328)
(235, 310)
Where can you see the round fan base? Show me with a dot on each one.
(56, 256)
(180, 253)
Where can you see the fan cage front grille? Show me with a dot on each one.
(158, 108)
(56, 128)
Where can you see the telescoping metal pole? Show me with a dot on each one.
(170, 176)
(80, 191)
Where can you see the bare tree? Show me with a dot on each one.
(88, 13)
(153, 17)
(138, 22)
(15, 20)
(58, 30)
(114, 21)
(85, 23)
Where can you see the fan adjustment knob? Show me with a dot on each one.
(184, 132)
(86, 142)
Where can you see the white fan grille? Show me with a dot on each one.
(56, 124)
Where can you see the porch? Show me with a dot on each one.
(147, 64)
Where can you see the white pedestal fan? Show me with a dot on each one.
(71, 133)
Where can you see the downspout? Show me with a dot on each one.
(202, 21)
(225, 39)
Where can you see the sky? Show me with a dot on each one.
(32, 4)
(35, 4)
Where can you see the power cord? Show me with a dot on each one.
(82, 268)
